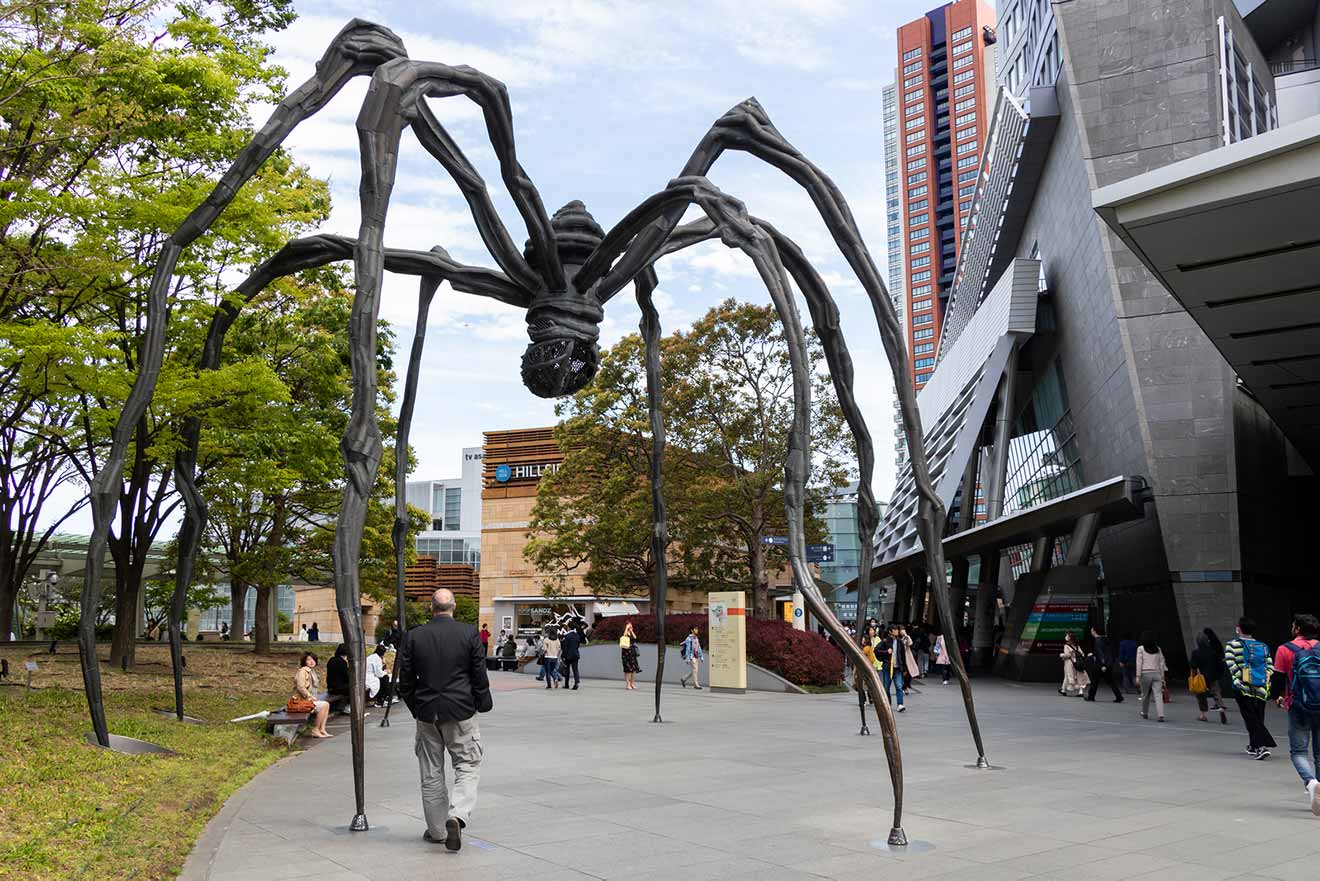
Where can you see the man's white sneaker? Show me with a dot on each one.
(1314, 787)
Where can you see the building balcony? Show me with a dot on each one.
(1296, 89)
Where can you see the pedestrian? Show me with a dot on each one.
(1127, 663)
(378, 680)
(1074, 667)
(908, 659)
(540, 655)
(553, 649)
(314, 633)
(1249, 669)
(527, 653)
(305, 700)
(224, 631)
(1207, 660)
(571, 654)
(889, 659)
(921, 642)
(395, 637)
(1151, 670)
(1100, 665)
(442, 678)
(336, 679)
(509, 654)
(1296, 688)
(628, 655)
(942, 659)
(692, 657)
(485, 639)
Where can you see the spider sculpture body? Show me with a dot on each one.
(568, 271)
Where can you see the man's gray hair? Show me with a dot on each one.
(442, 602)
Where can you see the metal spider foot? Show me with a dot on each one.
(897, 837)
(657, 719)
(865, 731)
(385, 723)
(359, 823)
(982, 763)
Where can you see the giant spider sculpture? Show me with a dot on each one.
(568, 271)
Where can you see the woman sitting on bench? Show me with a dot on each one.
(304, 697)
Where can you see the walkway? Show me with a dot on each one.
(580, 785)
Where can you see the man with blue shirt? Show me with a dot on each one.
(692, 655)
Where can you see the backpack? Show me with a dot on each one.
(1255, 663)
(1304, 686)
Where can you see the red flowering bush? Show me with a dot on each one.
(800, 657)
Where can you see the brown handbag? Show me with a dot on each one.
(300, 705)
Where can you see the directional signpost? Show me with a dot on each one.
(815, 553)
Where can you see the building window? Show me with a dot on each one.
(962, 77)
(918, 192)
(919, 233)
(968, 161)
(968, 104)
(920, 262)
(921, 276)
(967, 146)
(922, 319)
(960, 48)
(967, 176)
(964, 192)
(962, 34)
(964, 90)
(914, 122)
(964, 207)
(912, 81)
(916, 178)
(923, 334)
(917, 249)
(913, 137)
(919, 305)
(920, 205)
(917, 150)
(919, 162)
(923, 362)
(921, 290)
(437, 525)
(912, 53)
(914, 95)
(965, 61)
(911, 68)
(919, 219)
(453, 507)
(966, 133)
(965, 119)
(923, 348)
(921, 377)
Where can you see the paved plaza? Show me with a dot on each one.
(580, 785)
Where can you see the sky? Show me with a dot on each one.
(609, 99)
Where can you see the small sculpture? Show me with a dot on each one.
(567, 273)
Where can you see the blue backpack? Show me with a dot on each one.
(1304, 686)
(1255, 663)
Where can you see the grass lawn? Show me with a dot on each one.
(70, 810)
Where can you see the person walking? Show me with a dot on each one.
(485, 639)
(1207, 660)
(1127, 664)
(940, 652)
(889, 660)
(1151, 670)
(571, 654)
(1074, 667)
(1249, 669)
(1100, 665)
(628, 655)
(1296, 688)
(908, 659)
(442, 678)
(553, 649)
(305, 700)
(314, 633)
(692, 657)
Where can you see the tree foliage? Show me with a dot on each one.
(728, 401)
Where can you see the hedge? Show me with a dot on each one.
(800, 657)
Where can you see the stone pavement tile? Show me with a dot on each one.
(715, 870)
(293, 854)
(1205, 850)
(615, 856)
(785, 850)
(1122, 866)
(550, 827)
(302, 866)
(984, 872)
(999, 845)
(1253, 857)
(1188, 872)
(1059, 860)
(1152, 838)
(1304, 869)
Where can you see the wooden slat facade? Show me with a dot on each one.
(424, 577)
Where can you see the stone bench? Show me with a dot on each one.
(284, 724)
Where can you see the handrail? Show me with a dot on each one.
(1298, 65)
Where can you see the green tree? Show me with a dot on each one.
(116, 119)
(158, 594)
(728, 409)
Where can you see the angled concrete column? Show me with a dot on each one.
(958, 590)
(983, 623)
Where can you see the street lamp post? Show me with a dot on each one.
(47, 582)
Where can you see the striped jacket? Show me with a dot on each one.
(1233, 657)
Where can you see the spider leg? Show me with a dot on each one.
(359, 48)
(650, 327)
(773, 253)
(747, 127)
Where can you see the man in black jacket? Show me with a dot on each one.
(1101, 664)
(336, 679)
(571, 653)
(442, 679)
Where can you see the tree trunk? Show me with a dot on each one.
(9, 586)
(237, 600)
(123, 645)
(261, 626)
(760, 581)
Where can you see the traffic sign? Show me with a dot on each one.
(820, 553)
